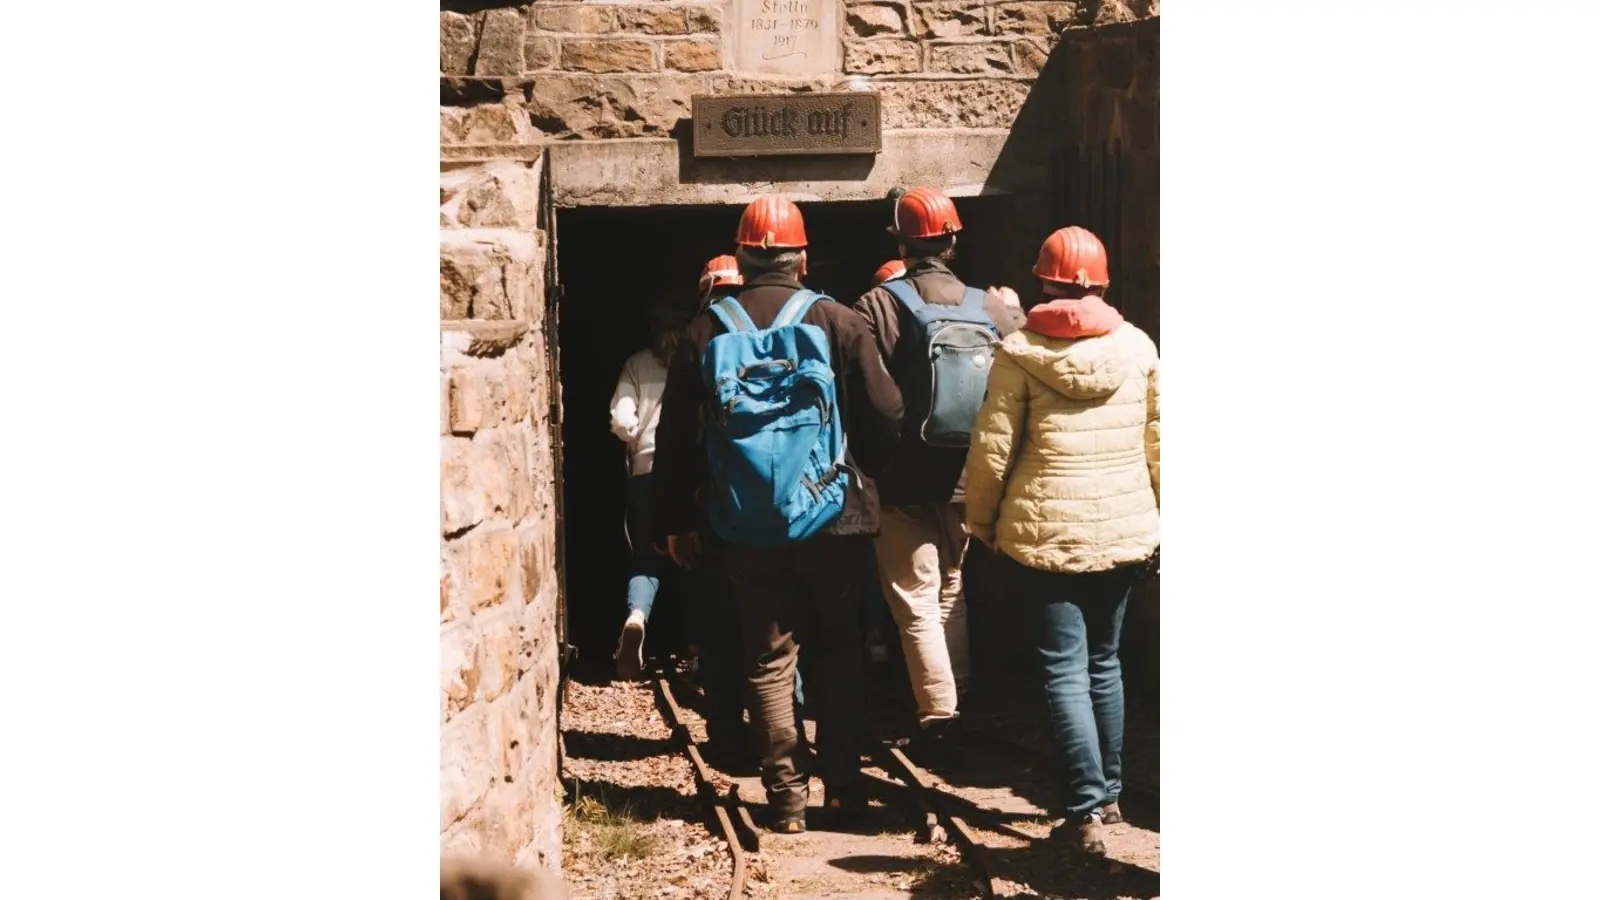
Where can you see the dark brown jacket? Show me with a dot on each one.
(868, 400)
(920, 474)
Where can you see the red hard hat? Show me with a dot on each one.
(892, 269)
(721, 270)
(772, 222)
(1073, 255)
(925, 213)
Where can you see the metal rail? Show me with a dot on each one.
(729, 812)
(931, 800)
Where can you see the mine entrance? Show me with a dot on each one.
(612, 263)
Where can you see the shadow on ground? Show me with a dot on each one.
(605, 747)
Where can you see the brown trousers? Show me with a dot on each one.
(806, 595)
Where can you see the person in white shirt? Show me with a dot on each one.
(635, 411)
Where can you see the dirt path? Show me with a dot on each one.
(635, 829)
(638, 831)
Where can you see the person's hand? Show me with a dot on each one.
(684, 548)
(1006, 296)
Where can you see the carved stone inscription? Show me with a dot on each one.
(785, 37)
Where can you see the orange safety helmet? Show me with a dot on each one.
(889, 271)
(772, 222)
(720, 271)
(1073, 255)
(924, 213)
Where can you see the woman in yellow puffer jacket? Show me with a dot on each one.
(1064, 480)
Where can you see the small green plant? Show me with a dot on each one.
(615, 832)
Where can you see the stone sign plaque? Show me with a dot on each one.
(785, 37)
(787, 124)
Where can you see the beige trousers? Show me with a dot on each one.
(920, 549)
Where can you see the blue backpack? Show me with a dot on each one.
(943, 371)
(774, 440)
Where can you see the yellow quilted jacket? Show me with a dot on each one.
(1064, 473)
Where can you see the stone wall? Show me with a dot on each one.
(499, 787)
(513, 79)
(1112, 79)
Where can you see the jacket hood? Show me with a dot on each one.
(1085, 368)
(1084, 317)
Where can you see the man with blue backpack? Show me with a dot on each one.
(938, 336)
(798, 412)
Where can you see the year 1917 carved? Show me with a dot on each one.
(787, 124)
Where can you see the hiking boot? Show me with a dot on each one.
(1111, 814)
(846, 806)
(630, 648)
(935, 747)
(788, 822)
(1084, 834)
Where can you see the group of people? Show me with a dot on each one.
(783, 443)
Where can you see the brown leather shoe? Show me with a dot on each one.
(1111, 814)
(1086, 835)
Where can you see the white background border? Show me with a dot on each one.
(1378, 330)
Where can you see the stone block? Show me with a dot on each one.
(881, 57)
(458, 38)
(466, 764)
(542, 666)
(694, 56)
(952, 104)
(536, 543)
(540, 53)
(575, 19)
(486, 273)
(519, 388)
(499, 194)
(1036, 19)
(458, 667)
(486, 123)
(470, 404)
(462, 839)
(1030, 55)
(1110, 12)
(491, 565)
(513, 449)
(500, 43)
(652, 20)
(462, 503)
(444, 403)
(872, 19)
(952, 18)
(498, 643)
(601, 56)
(703, 19)
(613, 106)
(970, 59)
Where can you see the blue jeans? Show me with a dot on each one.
(1076, 623)
(645, 579)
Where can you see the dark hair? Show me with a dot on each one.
(754, 261)
(941, 248)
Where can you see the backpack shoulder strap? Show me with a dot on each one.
(972, 300)
(795, 308)
(906, 294)
(731, 315)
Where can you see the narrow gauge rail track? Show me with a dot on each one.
(948, 813)
(729, 812)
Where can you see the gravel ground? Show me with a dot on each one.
(637, 830)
